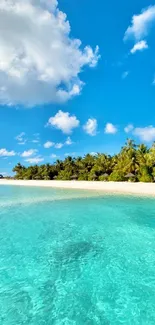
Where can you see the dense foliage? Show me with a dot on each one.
(134, 162)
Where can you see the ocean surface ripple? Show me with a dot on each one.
(70, 258)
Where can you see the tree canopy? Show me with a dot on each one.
(133, 162)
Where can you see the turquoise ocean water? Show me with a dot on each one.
(72, 257)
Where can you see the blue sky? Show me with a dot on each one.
(60, 96)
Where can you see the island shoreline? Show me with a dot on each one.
(144, 189)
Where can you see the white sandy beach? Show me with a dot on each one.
(112, 187)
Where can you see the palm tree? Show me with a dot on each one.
(142, 152)
(131, 160)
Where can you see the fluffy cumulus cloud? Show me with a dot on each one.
(141, 24)
(91, 127)
(139, 46)
(64, 121)
(48, 144)
(59, 145)
(145, 134)
(128, 128)
(39, 60)
(5, 153)
(34, 160)
(110, 129)
(29, 153)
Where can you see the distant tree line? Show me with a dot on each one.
(133, 162)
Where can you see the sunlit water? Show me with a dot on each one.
(72, 257)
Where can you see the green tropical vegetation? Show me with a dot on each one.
(132, 163)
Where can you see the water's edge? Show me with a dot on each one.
(123, 188)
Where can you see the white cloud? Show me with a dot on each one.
(139, 46)
(36, 138)
(29, 153)
(21, 138)
(128, 128)
(70, 154)
(93, 153)
(145, 134)
(35, 141)
(125, 74)
(68, 142)
(48, 144)
(39, 60)
(64, 122)
(34, 160)
(59, 145)
(110, 128)
(5, 153)
(141, 24)
(91, 127)
(53, 156)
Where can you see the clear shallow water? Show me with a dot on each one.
(69, 257)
